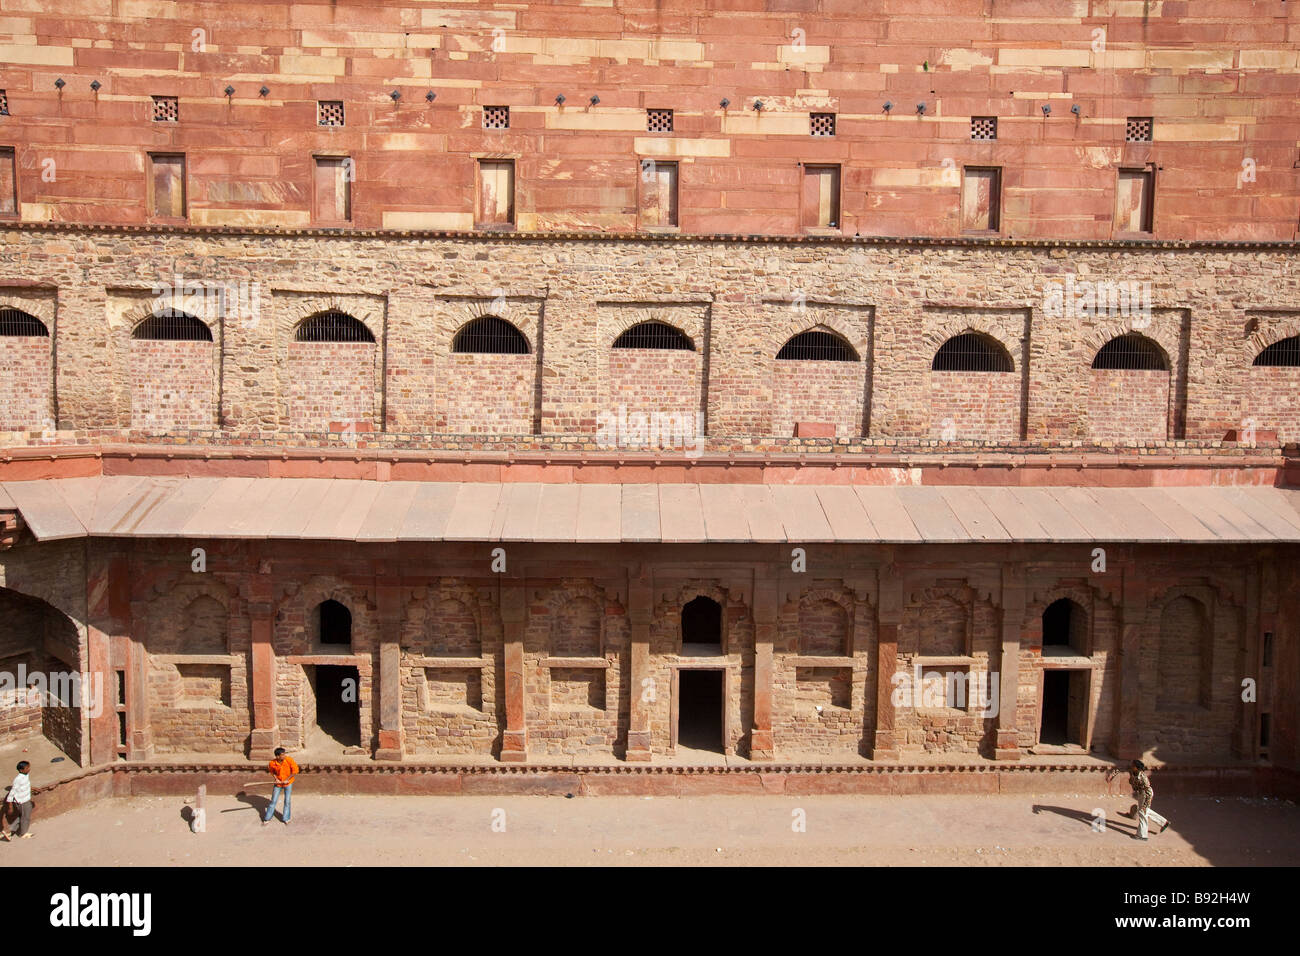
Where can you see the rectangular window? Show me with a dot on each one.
(658, 195)
(496, 192)
(659, 121)
(821, 124)
(981, 198)
(1138, 129)
(983, 128)
(333, 188)
(166, 109)
(1134, 200)
(167, 186)
(496, 117)
(821, 197)
(4, 103)
(8, 183)
(329, 112)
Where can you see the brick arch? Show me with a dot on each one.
(822, 595)
(962, 325)
(1167, 355)
(1261, 339)
(502, 308)
(318, 589)
(625, 324)
(37, 308)
(147, 310)
(688, 318)
(362, 308)
(824, 323)
(1161, 331)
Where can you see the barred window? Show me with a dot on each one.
(654, 335)
(1284, 353)
(659, 121)
(971, 352)
(4, 103)
(16, 322)
(816, 345)
(1133, 352)
(166, 109)
(984, 128)
(822, 124)
(496, 117)
(489, 335)
(170, 325)
(333, 326)
(1138, 129)
(329, 112)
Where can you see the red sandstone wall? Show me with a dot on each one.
(25, 379)
(172, 385)
(1125, 404)
(331, 382)
(980, 406)
(829, 392)
(1200, 69)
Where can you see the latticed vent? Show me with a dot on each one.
(1133, 352)
(971, 352)
(659, 121)
(496, 117)
(172, 326)
(983, 128)
(492, 336)
(329, 112)
(166, 109)
(1138, 129)
(1283, 353)
(816, 346)
(19, 323)
(4, 103)
(333, 326)
(822, 124)
(654, 335)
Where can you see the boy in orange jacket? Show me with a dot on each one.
(285, 770)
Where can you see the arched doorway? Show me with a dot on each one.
(41, 690)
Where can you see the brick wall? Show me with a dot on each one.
(488, 394)
(331, 382)
(1128, 404)
(654, 380)
(979, 406)
(1273, 401)
(172, 385)
(809, 391)
(26, 374)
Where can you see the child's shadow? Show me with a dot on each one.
(1083, 816)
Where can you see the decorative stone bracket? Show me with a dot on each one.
(11, 526)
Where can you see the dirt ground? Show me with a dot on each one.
(1051, 830)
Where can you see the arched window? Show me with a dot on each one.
(1064, 626)
(334, 622)
(170, 325)
(702, 624)
(1285, 353)
(489, 335)
(1133, 352)
(654, 335)
(333, 326)
(817, 345)
(16, 322)
(971, 352)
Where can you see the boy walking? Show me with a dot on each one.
(20, 795)
(284, 770)
(1143, 793)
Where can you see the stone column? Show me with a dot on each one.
(135, 657)
(265, 736)
(1132, 611)
(388, 688)
(639, 612)
(1007, 746)
(514, 615)
(107, 608)
(885, 745)
(766, 611)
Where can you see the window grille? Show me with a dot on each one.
(971, 352)
(4, 103)
(1138, 129)
(654, 335)
(490, 336)
(329, 112)
(1132, 351)
(1284, 353)
(822, 124)
(496, 117)
(659, 121)
(172, 326)
(816, 346)
(984, 128)
(166, 109)
(16, 322)
(333, 326)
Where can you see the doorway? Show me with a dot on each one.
(1064, 708)
(701, 710)
(701, 627)
(338, 705)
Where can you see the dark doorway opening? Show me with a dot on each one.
(700, 710)
(335, 623)
(702, 626)
(338, 703)
(1065, 708)
(1064, 626)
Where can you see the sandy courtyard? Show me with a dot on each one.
(840, 830)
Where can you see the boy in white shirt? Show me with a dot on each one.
(20, 794)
